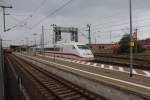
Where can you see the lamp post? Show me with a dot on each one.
(21, 46)
(27, 45)
(4, 15)
(89, 33)
(42, 41)
(131, 40)
(54, 39)
(31, 49)
(35, 43)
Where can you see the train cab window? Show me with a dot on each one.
(83, 47)
(73, 47)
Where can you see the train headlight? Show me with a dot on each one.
(86, 53)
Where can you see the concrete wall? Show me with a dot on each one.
(12, 87)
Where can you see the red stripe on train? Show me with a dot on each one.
(62, 53)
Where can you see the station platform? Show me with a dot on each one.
(105, 75)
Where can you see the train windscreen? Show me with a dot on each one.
(82, 47)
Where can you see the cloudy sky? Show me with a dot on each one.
(109, 19)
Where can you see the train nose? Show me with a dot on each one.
(87, 53)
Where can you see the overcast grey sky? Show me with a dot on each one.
(106, 17)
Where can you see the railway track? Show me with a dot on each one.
(135, 57)
(52, 86)
(141, 63)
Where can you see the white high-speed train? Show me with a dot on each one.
(73, 50)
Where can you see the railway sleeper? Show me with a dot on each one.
(71, 94)
(62, 82)
(38, 86)
(67, 91)
(55, 89)
(49, 81)
(63, 90)
(42, 90)
(52, 84)
(75, 97)
(51, 98)
(55, 86)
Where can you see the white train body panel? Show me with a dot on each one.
(72, 50)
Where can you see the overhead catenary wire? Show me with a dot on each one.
(4, 2)
(109, 16)
(106, 30)
(45, 0)
(54, 12)
(38, 8)
(103, 32)
(114, 26)
(117, 19)
(19, 24)
(119, 13)
(120, 24)
(31, 15)
(120, 34)
(143, 26)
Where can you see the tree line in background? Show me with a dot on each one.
(125, 45)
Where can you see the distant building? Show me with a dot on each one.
(105, 48)
(146, 43)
